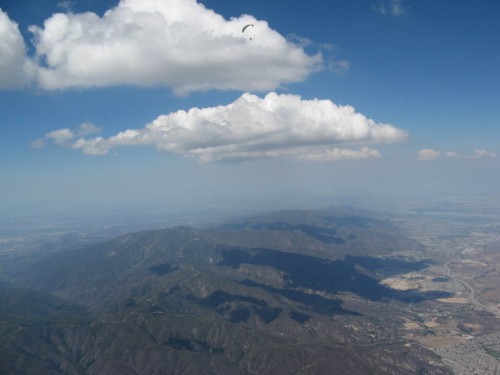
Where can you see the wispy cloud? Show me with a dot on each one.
(453, 155)
(430, 154)
(39, 143)
(339, 67)
(178, 43)
(66, 5)
(480, 153)
(327, 50)
(253, 127)
(341, 153)
(391, 7)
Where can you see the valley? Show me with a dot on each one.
(463, 329)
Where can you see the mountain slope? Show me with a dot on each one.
(270, 294)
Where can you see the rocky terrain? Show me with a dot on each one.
(291, 292)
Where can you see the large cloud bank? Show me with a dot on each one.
(249, 128)
(175, 43)
(15, 69)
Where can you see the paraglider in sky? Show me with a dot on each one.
(246, 27)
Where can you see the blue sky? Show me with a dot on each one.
(316, 102)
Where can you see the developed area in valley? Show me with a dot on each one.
(463, 240)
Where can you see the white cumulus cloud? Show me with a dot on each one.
(16, 69)
(253, 127)
(65, 137)
(61, 136)
(174, 43)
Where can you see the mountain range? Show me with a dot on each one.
(290, 292)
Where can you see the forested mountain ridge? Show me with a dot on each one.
(268, 294)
